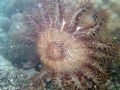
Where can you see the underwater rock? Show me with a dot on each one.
(38, 67)
(18, 6)
(20, 47)
(4, 23)
(17, 24)
(14, 6)
(11, 78)
(3, 38)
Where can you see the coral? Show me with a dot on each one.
(73, 54)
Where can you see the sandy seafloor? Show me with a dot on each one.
(11, 78)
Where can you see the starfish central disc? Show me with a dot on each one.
(60, 51)
(55, 51)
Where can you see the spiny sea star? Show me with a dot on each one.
(73, 55)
